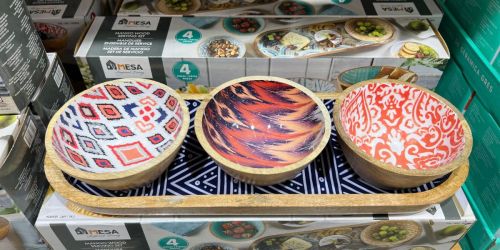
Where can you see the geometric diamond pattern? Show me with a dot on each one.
(115, 126)
(131, 153)
(124, 131)
(171, 125)
(89, 145)
(100, 131)
(171, 103)
(194, 173)
(110, 111)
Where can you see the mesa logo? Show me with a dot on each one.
(41, 11)
(136, 23)
(395, 8)
(113, 66)
(80, 230)
(99, 232)
(125, 21)
(120, 67)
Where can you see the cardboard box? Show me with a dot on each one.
(173, 50)
(483, 78)
(483, 182)
(22, 58)
(481, 20)
(60, 23)
(55, 91)
(454, 87)
(22, 234)
(21, 171)
(426, 9)
(442, 226)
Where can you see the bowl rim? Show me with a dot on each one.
(241, 46)
(260, 20)
(198, 126)
(143, 167)
(260, 230)
(369, 241)
(339, 76)
(441, 170)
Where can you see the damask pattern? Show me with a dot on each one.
(117, 126)
(402, 125)
(194, 173)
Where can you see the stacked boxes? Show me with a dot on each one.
(176, 51)
(481, 21)
(60, 23)
(479, 83)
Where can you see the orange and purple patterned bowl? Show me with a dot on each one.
(119, 134)
(262, 130)
(396, 134)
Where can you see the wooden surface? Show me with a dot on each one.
(134, 177)
(261, 176)
(258, 204)
(384, 174)
(260, 54)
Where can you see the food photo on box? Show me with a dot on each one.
(323, 54)
(246, 124)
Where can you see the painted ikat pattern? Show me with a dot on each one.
(263, 124)
(118, 126)
(195, 173)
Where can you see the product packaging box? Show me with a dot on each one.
(60, 23)
(483, 182)
(65, 226)
(23, 61)
(481, 19)
(482, 77)
(454, 87)
(426, 9)
(320, 53)
(16, 232)
(54, 92)
(21, 170)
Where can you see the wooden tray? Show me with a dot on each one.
(256, 204)
(205, 7)
(309, 30)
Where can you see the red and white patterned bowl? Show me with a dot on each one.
(118, 134)
(396, 134)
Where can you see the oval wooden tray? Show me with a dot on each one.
(308, 31)
(257, 204)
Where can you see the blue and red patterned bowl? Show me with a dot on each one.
(119, 134)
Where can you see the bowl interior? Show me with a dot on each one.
(263, 124)
(117, 126)
(402, 125)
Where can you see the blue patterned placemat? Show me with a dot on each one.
(194, 173)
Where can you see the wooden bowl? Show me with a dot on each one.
(163, 8)
(262, 130)
(352, 76)
(350, 28)
(4, 227)
(54, 37)
(119, 134)
(398, 135)
(412, 228)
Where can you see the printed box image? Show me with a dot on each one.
(424, 9)
(440, 226)
(196, 55)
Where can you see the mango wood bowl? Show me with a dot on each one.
(262, 130)
(119, 134)
(410, 230)
(398, 135)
